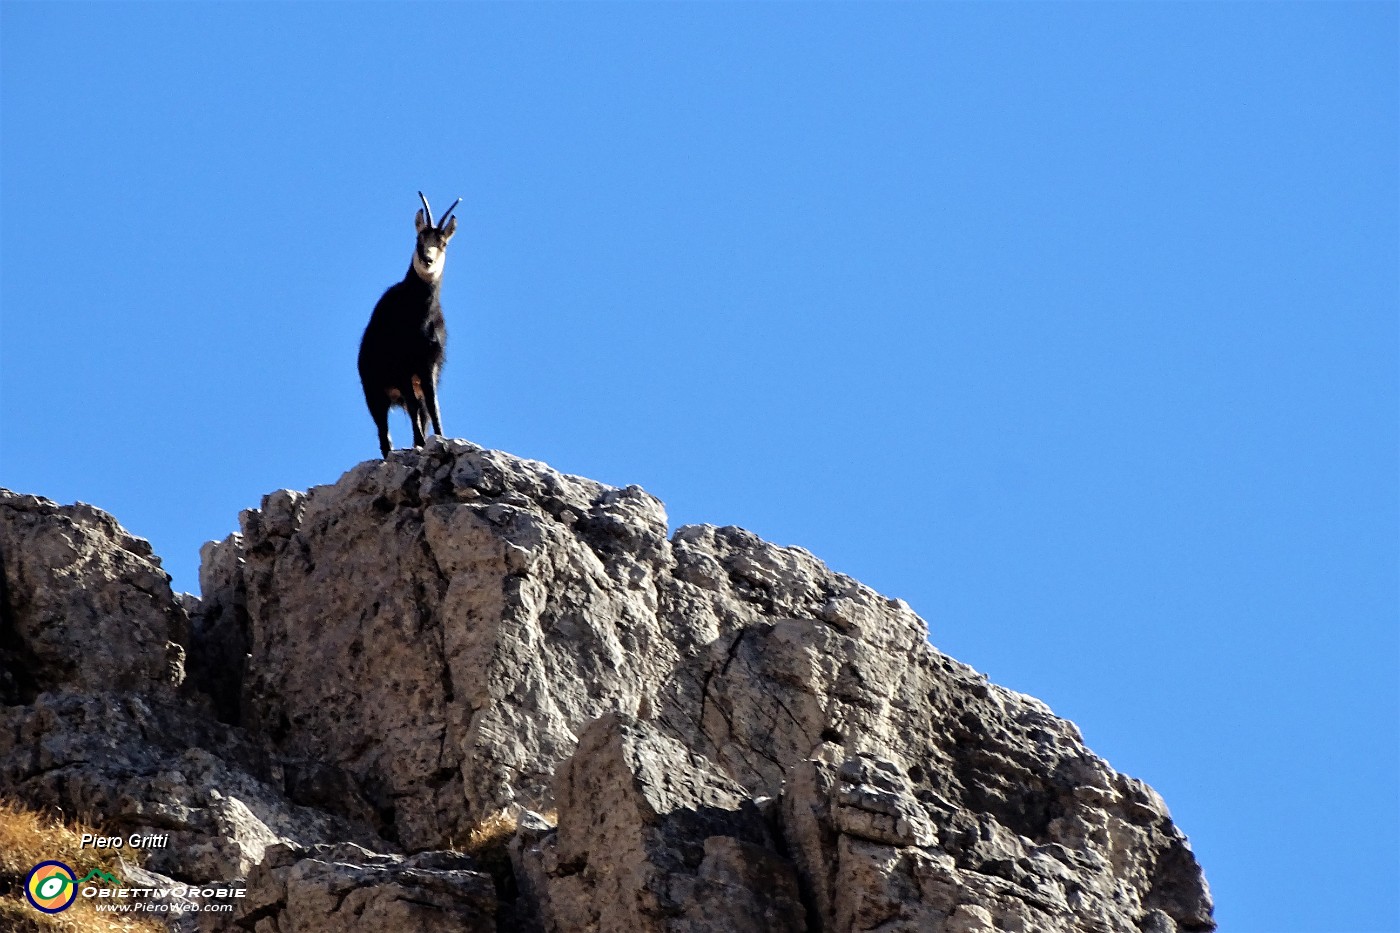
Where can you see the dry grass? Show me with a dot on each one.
(490, 834)
(489, 843)
(27, 838)
(493, 833)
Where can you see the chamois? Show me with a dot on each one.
(405, 343)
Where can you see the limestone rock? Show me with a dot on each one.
(143, 765)
(85, 605)
(873, 802)
(733, 735)
(93, 725)
(218, 650)
(181, 914)
(522, 604)
(346, 889)
(652, 838)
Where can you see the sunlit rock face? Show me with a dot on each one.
(99, 720)
(724, 733)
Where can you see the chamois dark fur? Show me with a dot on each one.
(405, 343)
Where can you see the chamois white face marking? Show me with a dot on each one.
(428, 262)
(430, 252)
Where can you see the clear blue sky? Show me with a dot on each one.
(1073, 325)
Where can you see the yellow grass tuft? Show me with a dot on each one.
(491, 834)
(28, 838)
(495, 831)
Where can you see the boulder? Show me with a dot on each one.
(653, 838)
(84, 605)
(347, 889)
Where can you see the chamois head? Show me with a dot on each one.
(431, 252)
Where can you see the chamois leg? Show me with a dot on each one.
(414, 406)
(423, 420)
(378, 404)
(430, 404)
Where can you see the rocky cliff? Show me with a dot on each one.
(689, 731)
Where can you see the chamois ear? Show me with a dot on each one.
(421, 220)
(450, 229)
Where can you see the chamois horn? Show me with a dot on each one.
(443, 219)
